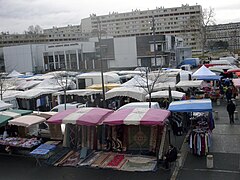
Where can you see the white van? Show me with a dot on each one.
(154, 105)
(61, 107)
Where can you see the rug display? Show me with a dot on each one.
(134, 163)
(71, 159)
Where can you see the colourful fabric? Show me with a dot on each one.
(136, 116)
(80, 116)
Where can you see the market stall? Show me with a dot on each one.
(138, 132)
(25, 141)
(201, 124)
(80, 126)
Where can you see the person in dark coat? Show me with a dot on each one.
(170, 156)
(231, 108)
(229, 94)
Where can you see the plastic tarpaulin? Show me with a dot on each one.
(80, 116)
(137, 116)
(199, 105)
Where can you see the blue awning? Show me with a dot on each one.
(195, 105)
(209, 78)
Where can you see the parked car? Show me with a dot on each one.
(61, 107)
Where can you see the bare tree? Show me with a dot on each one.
(63, 80)
(198, 24)
(34, 30)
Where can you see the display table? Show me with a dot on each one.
(44, 151)
(20, 142)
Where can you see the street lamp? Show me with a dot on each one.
(101, 63)
(154, 40)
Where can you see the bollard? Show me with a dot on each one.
(218, 102)
(209, 161)
(235, 115)
(216, 115)
(179, 160)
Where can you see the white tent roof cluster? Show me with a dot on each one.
(203, 72)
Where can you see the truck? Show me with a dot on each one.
(193, 62)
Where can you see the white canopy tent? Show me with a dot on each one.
(79, 92)
(203, 72)
(137, 81)
(14, 74)
(4, 105)
(132, 92)
(33, 93)
(55, 84)
(187, 84)
(165, 94)
(164, 86)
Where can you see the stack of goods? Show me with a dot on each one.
(20, 142)
(43, 151)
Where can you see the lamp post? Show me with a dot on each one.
(154, 40)
(101, 63)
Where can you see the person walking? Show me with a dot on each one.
(229, 94)
(231, 108)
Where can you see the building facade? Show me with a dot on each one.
(227, 33)
(168, 21)
(109, 54)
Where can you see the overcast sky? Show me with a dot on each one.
(18, 15)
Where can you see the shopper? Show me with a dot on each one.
(231, 108)
(170, 156)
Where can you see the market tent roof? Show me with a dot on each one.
(4, 119)
(10, 95)
(79, 92)
(28, 84)
(236, 82)
(4, 105)
(132, 92)
(21, 111)
(197, 83)
(108, 86)
(14, 74)
(80, 116)
(137, 81)
(199, 105)
(165, 94)
(33, 93)
(55, 84)
(137, 116)
(203, 71)
(27, 120)
(154, 105)
(234, 70)
(164, 85)
(10, 114)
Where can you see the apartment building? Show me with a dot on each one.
(168, 21)
(229, 32)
